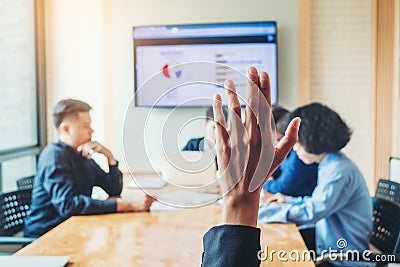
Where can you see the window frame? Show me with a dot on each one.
(40, 94)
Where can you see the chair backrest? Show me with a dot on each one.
(386, 225)
(389, 190)
(25, 183)
(14, 208)
(394, 169)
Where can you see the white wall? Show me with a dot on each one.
(90, 54)
(341, 66)
(74, 57)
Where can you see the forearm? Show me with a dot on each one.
(114, 181)
(83, 205)
(301, 212)
(111, 182)
(101, 206)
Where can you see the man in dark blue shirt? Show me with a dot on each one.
(66, 174)
(208, 141)
(293, 178)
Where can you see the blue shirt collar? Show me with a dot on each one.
(330, 157)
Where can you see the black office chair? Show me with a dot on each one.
(385, 234)
(25, 183)
(386, 225)
(389, 190)
(14, 207)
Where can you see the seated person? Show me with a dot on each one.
(208, 141)
(236, 243)
(278, 112)
(293, 177)
(66, 174)
(340, 205)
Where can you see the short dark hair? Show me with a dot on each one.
(281, 116)
(282, 124)
(278, 112)
(68, 107)
(322, 130)
(210, 113)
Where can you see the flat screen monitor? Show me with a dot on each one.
(161, 52)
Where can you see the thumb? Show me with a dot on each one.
(287, 142)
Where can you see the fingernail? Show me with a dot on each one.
(252, 70)
(229, 84)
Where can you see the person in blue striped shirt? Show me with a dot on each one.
(340, 205)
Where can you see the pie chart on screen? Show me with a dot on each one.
(166, 72)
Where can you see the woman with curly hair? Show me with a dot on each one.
(340, 205)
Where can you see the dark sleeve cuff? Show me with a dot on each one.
(231, 245)
(111, 205)
(101, 206)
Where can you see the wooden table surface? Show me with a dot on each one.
(167, 238)
(159, 238)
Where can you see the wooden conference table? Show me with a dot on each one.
(157, 238)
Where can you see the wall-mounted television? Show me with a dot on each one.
(158, 50)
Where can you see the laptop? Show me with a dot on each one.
(394, 169)
(191, 180)
(193, 169)
(34, 261)
(147, 181)
(190, 168)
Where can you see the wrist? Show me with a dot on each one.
(110, 157)
(119, 205)
(243, 212)
(122, 205)
(112, 162)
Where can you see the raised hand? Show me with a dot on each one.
(246, 154)
(89, 148)
(141, 204)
